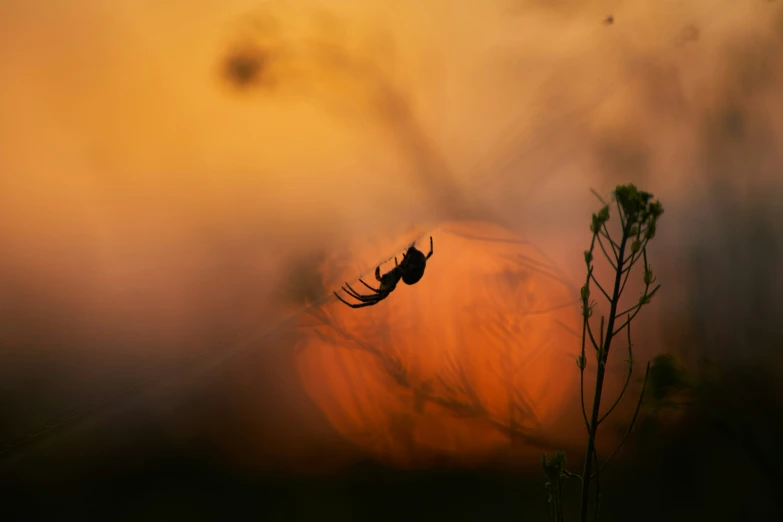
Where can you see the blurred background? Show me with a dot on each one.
(183, 184)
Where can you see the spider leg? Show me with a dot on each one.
(355, 305)
(366, 299)
(396, 264)
(362, 305)
(377, 291)
(356, 295)
(351, 290)
(371, 300)
(348, 289)
(341, 299)
(430, 254)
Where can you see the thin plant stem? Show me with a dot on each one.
(597, 195)
(582, 377)
(633, 419)
(627, 379)
(590, 334)
(597, 486)
(615, 246)
(601, 288)
(627, 274)
(604, 352)
(638, 215)
(608, 258)
(639, 307)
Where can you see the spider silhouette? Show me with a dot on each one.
(410, 271)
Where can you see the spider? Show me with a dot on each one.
(410, 271)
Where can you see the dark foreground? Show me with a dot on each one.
(159, 459)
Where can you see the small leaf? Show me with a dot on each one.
(650, 232)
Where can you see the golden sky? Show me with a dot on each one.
(137, 183)
(116, 120)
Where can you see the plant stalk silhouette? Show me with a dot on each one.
(638, 215)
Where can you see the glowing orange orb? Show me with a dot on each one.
(478, 353)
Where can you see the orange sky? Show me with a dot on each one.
(136, 183)
(115, 114)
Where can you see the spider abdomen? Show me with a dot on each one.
(412, 267)
(413, 276)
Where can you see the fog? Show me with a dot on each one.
(177, 177)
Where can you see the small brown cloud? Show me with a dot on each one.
(247, 66)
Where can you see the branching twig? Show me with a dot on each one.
(633, 419)
(581, 363)
(601, 288)
(605, 233)
(608, 258)
(620, 214)
(597, 195)
(615, 246)
(627, 275)
(627, 379)
(590, 333)
(638, 216)
(645, 298)
(635, 257)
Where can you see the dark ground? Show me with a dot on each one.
(165, 457)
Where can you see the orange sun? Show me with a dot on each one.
(474, 356)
